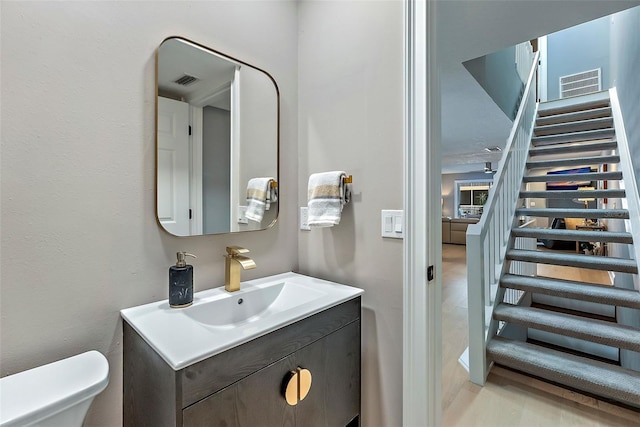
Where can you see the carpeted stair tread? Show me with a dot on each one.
(574, 312)
(573, 126)
(572, 260)
(591, 176)
(573, 137)
(598, 331)
(573, 194)
(573, 213)
(573, 290)
(573, 161)
(574, 235)
(591, 376)
(574, 116)
(572, 148)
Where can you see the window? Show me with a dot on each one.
(480, 196)
(465, 197)
(471, 195)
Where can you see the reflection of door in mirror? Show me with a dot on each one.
(182, 180)
(232, 114)
(173, 166)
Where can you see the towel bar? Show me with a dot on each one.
(348, 179)
(274, 184)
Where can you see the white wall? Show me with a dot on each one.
(79, 236)
(351, 118)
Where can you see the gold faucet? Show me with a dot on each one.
(232, 263)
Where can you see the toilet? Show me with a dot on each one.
(57, 394)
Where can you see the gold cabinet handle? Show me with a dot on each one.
(304, 383)
(291, 388)
(296, 385)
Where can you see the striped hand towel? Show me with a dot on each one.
(327, 195)
(260, 195)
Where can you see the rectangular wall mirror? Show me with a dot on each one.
(217, 130)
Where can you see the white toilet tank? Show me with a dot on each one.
(55, 395)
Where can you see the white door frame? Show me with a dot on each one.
(196, 196)
(542, 68)
(422, 334)
(234, 161)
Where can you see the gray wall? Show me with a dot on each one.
(497, 74)
(580, 48)
(625, 69)
(258, 130)
(351, 118)
(80, 240)
(216, 178)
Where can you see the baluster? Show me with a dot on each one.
(487, 257)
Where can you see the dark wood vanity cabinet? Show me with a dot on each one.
(243, 387)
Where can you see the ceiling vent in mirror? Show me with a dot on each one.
(186, 80)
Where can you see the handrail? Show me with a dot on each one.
(487, 241)
(628, 173)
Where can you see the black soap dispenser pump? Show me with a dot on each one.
(181, 282)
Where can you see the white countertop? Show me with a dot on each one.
(181, 340)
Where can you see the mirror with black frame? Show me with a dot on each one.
(217, 140)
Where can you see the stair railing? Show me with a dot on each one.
(628, 174)
(487, 241)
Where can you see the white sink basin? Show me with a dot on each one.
(255, 303)
(219, 320)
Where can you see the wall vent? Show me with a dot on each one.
(186, 80)
(580, 83)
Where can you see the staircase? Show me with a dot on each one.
(570, 134)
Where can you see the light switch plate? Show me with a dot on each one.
(304, 219)
(392, 224)
(242, 215)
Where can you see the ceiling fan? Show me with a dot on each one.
(488, 169)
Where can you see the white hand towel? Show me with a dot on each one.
(327, 195)
(260, 195)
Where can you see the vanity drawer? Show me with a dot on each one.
(333, 397)
(217, 372)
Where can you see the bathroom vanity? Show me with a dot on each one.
(246, 384)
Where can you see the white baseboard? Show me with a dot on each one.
(464, 359)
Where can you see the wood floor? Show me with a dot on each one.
(507, 399)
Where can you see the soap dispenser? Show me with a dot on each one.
(181, 282)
